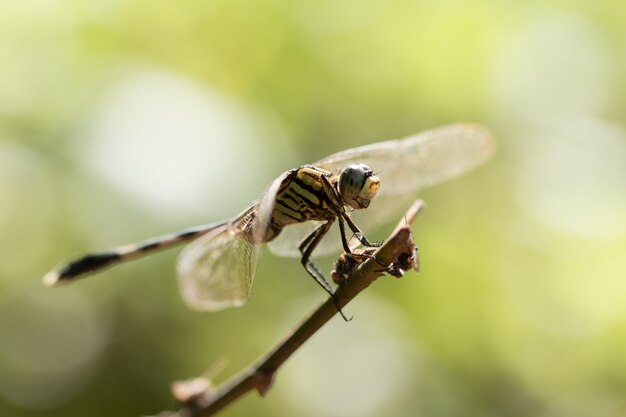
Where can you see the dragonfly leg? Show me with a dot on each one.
(344, 240)
(306, 248)
(359, 235)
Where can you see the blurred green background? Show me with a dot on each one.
(121, 120)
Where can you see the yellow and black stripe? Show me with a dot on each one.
(302, 197)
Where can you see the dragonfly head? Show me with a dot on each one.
(358, 186)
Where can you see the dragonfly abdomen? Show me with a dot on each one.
(98, 261)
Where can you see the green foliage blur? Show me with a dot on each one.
(121, 120)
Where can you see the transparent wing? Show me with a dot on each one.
(287, 242)
(404, 167)
(408, 165)
(216, 271)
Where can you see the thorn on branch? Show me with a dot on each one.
(263, 381)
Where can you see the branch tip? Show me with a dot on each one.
(189, 391)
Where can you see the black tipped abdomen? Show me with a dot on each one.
(87, 264)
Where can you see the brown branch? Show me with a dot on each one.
(199, 399)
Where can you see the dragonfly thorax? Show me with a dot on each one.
(358, 186)
(310, 193)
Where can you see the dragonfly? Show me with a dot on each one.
(296, 213)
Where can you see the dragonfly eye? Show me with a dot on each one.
(358, 185)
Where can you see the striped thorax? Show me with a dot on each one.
(310, 193)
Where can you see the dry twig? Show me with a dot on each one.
(197, 396)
